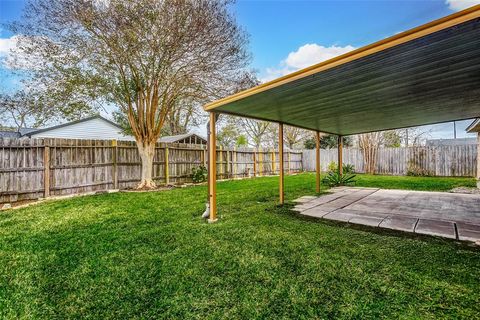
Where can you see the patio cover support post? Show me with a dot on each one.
(317, 160)
(280, 160)
(212, 169)
(340, 155)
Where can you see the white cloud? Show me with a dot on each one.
(7, 44)
(310, 54)
(305, 56)
(457, 5)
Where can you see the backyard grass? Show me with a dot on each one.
(150, 255)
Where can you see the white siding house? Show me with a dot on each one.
(95, 127)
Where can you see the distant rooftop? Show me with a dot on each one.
(451, 142)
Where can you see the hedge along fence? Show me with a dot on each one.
(454, 161)
(36, 168)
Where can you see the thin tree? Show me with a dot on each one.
(369, 144)
(144, 56)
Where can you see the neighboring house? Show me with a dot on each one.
(16, 134)
(451, 142)
(188, 138)
(95, 127)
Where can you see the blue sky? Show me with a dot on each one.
(288, 35)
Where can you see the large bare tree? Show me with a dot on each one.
(145, 56)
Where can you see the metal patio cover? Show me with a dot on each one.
(426, 75)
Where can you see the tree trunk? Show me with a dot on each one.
(147, 151)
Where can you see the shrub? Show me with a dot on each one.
(199, 174)
(416, 171)
(347, 167)
(334, 179)
(332, 166)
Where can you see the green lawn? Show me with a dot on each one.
(150, 255)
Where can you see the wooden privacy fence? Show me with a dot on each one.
(35, 168)
(455, 161)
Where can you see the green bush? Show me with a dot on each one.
(347, 167)
(334, 179)
(199, 174)
(416, 171)
(332, 166)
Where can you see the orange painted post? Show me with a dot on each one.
(340, 155)
(212, 169)
(317, 160)
(280, 159)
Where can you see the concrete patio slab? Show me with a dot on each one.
(438, 228)
(431, 213)
(315, 212)
(339, 216)
(305, 199)
(468, 231)
(400, 223)
(367, 221)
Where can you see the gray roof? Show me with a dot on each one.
(179, 137)
(24, 131)
(452, 142)
(474, 126)
(9, 134)
(74, 122)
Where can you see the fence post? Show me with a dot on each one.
(204, 157)
(260, 162)
(114, 159)
(289, 167)
(220, 162)
(46, 171)
(234, 162)
(273, 161)
(167, 177)
(227, 166)
(254, 163)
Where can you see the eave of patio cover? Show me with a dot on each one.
(427, 75)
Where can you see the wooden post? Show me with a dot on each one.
(260, 162)
(280, 159)
(289, 164)
(46, 171)
(167, 173)
(227, 166)
(204, 157)
(234, 163)
(340, 155)
(274, 165)
(220, 161)
(254, 163)
(114, 167)
(212, 168)
(317, 161)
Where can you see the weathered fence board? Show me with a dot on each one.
(77, 166)
(455, 161)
